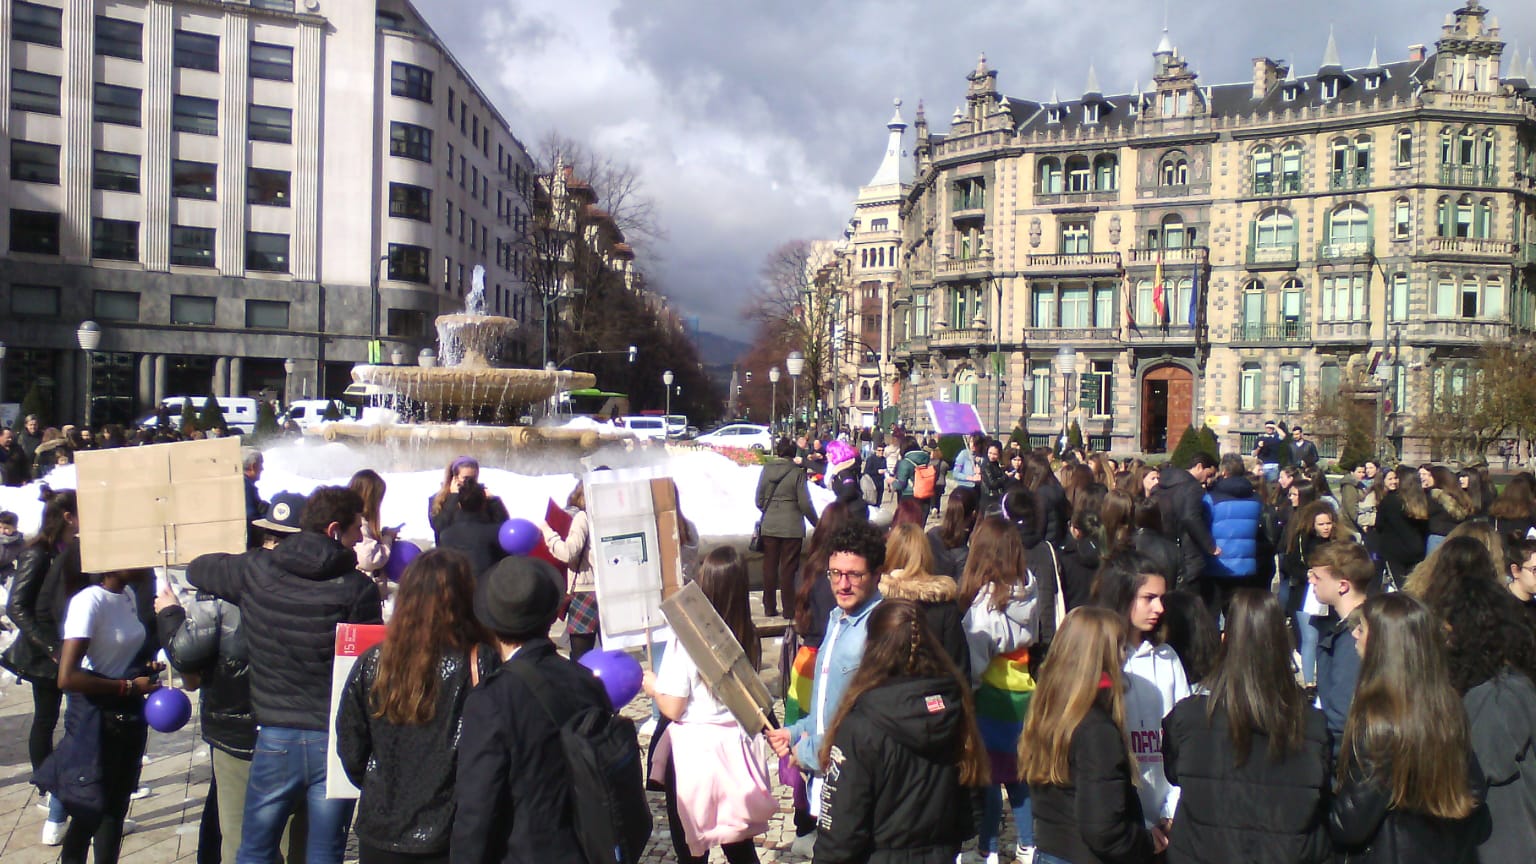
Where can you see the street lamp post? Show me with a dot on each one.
(2, 371)
(794, 364)
(773, 397)
(666, 380)
(288, 367)
(1066, 367)
(88, 337)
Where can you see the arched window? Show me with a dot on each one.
(1466, 147)
(965, 386)
(1253, 310)
(1293, 308)
(1276, 228)
(1482, 225)
(1340, 154)
(1106, 172)
(1445, 217)
(1290, 167)
(1485, 155)
(1263, 170)
(1173, 231)
(1397, 299)
(1402, 219)
(1079, 175)
(1175, 170)
(863, 257)
(864, 392)
(1050, 176)
(1404, 148)
(1349, 229)
(1447, 147)
(1464, 216)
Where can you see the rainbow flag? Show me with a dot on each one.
(797, 702)
(1002, 701)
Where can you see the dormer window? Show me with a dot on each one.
(1331, 88)
(1289, 93)
(1091, 113)
(1373, 82)
(1053, 115)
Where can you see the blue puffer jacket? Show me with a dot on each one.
(1235, 512)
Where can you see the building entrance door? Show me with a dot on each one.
(1167, 407)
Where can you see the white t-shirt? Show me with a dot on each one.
(111, 622)
(679, 677)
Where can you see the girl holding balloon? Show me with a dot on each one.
(373, 550)
(101, 668)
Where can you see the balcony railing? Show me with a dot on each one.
(1355, 178)
(962, 336)
(1467, 175)
(920, 277)
(1346, 249)
(1459, 330)
(1156, 334)
(1271, 184)
(1074, 262)
(1071, 334)
(1283, 255)
(1284, 331)
(1472, 246)
(1341, 331)
(1170, 257)
(966, 265)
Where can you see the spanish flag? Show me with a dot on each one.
(1159, 301)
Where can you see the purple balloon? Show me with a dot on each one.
(519, 536)
(167, 709)
(619, 672)
(401, 554)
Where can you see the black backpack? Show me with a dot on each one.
(608, 806)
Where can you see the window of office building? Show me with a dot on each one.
(35, 301)
(1040, 389)
(115, 239)
(192, 247)
(33, 162)
(266, 253)
(35, 92)
(1075, 238)
(115, 306)
(410, 141)
(272, 62)
(1251, 388)
(34, 22)
(1076, 307)
(1402, 219)
(409, 323)
(194, 179)
(195, 115)
(267, 186)
(193, 310)
(1104, 372)
(1343, 298)
(409, 263)
(35, 231)
(113, 104)
(412, 82)
(1044, 308)
(118, 38)
(196, 51)
(266, 314)
(270, 123)
(410, 202)
(1397, 299)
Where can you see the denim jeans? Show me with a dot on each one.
(1307, 635)
(1042, 858)
(289, 765)
(992, 815)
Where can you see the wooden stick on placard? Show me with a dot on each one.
(722, 662)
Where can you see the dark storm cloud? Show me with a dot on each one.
(755, 123)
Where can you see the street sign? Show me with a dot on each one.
(1092, 389)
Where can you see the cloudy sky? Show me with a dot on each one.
(754, 123)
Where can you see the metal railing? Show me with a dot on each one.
(1285, 331)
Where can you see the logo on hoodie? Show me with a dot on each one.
(934, 704)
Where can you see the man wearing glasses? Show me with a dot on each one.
(858, 554)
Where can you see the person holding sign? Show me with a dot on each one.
(574, 550)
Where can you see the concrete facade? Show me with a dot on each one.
(1305, 232)
(224, 187)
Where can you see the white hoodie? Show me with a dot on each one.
(990, 632)
(1155, 681)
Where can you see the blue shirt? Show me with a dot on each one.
(964, 467)
(841, 651)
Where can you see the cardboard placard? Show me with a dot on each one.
(351, 641)
(636, 552)
(954, 418)
(721, 660)
(160, 505)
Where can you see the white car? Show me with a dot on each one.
(745, 436)
(645, 427)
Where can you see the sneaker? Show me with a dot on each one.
(141, 792)
(53, 833)
(648, 727)
(129, 826)
(42, 802)
(1024, 854)
(804, 846)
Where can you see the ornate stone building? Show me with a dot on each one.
(1227, 254)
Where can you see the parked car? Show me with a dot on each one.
(677, 425)
(645, 427)
(746, 436)
(308, 413)
(239, 411)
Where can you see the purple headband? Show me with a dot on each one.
(462, 462)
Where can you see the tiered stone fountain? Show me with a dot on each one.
(470, 381)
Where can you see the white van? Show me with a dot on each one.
(309, 413)
(645, 427)
(239, 411)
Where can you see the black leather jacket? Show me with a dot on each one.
(1367, 830)
(205, 638)
(33, 606)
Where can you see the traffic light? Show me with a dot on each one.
(632, 352)
(749, 377)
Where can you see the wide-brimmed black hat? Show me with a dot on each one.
(518, 597)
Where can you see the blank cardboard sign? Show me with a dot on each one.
(159, 505)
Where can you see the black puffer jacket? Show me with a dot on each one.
(1262, 812)
(1181, 499)
(893, 791)
(1367, 830)
(205, 638)
(35, 609)
(1401, 538)
(936, 594)
(1097, 819)
(452, 512)
(291, 598)
(1052, 512)
(1163, 553)
(406, 773)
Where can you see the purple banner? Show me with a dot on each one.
(954, 418)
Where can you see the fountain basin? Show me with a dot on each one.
(470, 386)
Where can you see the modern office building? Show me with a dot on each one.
(225, 187)
(1225, 254)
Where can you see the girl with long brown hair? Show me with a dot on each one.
(1001, 625)
(716, 787)
(909, 576)
(950, 539)
(373, 550)
(1401, 514)
(1448, 504)
(1408, 782)
(441, 509)
(1075, 752)
(1312, 525)
(1249, 750)
(1514, 511)
(903, 750)
(397, 728)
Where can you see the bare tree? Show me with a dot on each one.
(798, 305)
(1470, 407)
(618, 185)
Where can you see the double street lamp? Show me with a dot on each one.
(666, 380)
(1066, 367)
